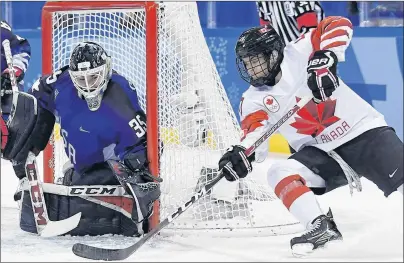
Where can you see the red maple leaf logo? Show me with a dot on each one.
(269, 101)
(315, 117)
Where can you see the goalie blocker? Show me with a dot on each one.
(105, 206)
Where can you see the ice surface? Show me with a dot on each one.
(371, 224)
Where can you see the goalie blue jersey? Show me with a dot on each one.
(117, 128)
(20, 48)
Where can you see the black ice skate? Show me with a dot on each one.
(323, 230)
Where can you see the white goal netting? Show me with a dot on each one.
(190, 96)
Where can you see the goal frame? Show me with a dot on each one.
(151, 74)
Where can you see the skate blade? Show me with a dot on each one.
(304, 250)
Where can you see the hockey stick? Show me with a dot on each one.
(44, 226)
(97, 253)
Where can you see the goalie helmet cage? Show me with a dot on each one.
(160, 48)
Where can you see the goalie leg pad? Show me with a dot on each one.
(96, 219)
(97, 194)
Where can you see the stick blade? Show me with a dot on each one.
(96, 253)
(56, 228)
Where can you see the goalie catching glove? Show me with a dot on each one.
(235, 164)
(322, 74)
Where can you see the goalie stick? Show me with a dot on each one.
(96, 253)
(44, 226)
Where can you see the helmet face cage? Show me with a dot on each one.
(90, 71)
(89, 81)
(259, 54)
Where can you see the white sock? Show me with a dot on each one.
(400, 189)
(306, 208)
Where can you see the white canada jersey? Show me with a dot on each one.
(326, 125)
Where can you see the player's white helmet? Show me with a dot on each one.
(90, 70)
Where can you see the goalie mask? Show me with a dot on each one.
(90, 71)
(259, 54)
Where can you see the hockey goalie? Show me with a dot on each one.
(104, 134)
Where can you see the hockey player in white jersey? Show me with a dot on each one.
(338, 136)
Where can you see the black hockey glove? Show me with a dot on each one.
(235, 164)
(322, 74)
(139, 165)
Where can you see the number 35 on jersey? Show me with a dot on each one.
(138, 125)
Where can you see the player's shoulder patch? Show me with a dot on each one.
(271, 103)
